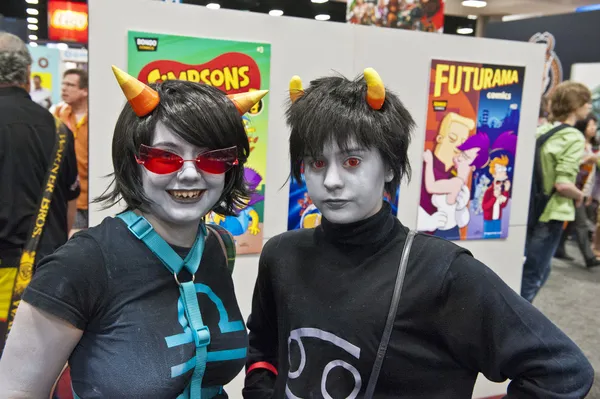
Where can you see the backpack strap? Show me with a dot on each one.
(227, 244)
(538, 173)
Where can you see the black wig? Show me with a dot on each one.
(201, 115)
(335, 108)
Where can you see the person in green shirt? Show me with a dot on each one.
(560, 157)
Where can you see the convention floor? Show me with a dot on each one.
(571, 299)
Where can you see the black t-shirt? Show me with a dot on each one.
(321, 302)
(27, 140)
(109, 284)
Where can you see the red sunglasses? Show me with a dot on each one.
(163, 162)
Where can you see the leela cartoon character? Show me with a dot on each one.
(143, 304)
(322, 296)
(246, 217)
(449, 194)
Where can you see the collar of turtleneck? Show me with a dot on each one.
(371, 232)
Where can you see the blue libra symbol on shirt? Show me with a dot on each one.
(225, 326)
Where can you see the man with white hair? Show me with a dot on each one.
(28, 137)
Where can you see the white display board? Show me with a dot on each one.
(311, 49)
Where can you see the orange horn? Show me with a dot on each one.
(245, 101)
(375, 89)
(142, 98)
(296, 90)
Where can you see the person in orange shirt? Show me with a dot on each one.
(74, 113)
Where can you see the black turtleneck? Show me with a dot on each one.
(321, 300)
(363, 238)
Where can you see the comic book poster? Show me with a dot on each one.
(45, 75)
(233, 67)
(420, 15)
(470, 144)
(303, 214)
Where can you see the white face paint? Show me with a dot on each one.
(185, 196)
(346, 186)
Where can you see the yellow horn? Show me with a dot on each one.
(375, 89)
(296, 90)
(142, 98)
(245, 101)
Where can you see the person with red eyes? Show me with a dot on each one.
(143, 305)
(362, 307)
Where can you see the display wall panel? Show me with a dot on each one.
(406, 71)
(311, 49)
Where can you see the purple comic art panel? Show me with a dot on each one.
(302, 213)
(470, 145)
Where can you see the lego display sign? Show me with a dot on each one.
(68, 21)
(470, 145)
(233, 67)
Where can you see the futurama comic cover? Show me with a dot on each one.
(234, 67)
(303, 214)
(470, 145)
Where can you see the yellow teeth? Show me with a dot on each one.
(185, 193)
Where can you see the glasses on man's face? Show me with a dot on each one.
(163, 162)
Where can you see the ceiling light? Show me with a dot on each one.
(32, 11)
(322, 17)
(474, 3)
(32, 27)
(276, 13)
(32, 20)
(319, 1)
(31, 1)
(33, 44)
(472, 17)
(464, 31)
(213, 6)
(33, 37)
(62, 46)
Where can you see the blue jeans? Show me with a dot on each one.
(540, 246)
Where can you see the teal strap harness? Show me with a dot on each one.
(140, 228)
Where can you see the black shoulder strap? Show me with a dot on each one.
(538, 173)
(389, 324)
(26, 265)
(547, 136)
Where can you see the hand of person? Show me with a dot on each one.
(579, 202)
(462, 199)
(254, 230)
(507, 185)
(427, 222)
(428, 156)
(588, 201)
(503, 199)
(440, 219)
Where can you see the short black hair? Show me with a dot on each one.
(582, 125)
(334, 108)
(83, 76)
(200, 114)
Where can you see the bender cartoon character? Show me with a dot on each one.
(453, 132)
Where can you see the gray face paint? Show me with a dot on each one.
(182, 197)
(346, 186)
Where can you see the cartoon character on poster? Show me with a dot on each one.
(303, 214)
(421, 15)
(470, 147)
(234, 67)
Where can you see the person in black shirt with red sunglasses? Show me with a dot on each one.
(143, 305)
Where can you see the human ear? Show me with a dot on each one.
(389, 176)
(439, 138)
